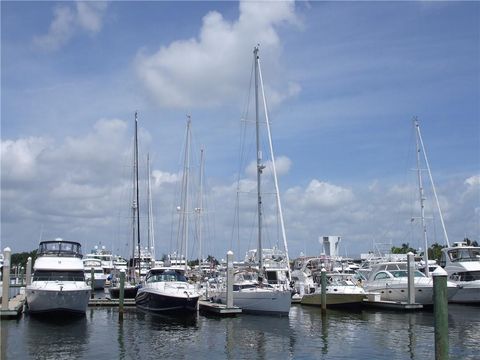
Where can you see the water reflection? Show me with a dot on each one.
(306, 333)
(56, 337)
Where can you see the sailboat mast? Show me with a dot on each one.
(277, 188)
(431, 181)
(186, 173)
(260, 166)
(422, 200)
(151, 233)
(200, 209)
(137, 191)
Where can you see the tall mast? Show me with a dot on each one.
(151, 233)
(422, 200)
(186, 171)
(137, 191)
(277, 189)
(200, 208)
(431, 181)
(260, 166)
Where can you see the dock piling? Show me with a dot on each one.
(121, 293)
(92, 282)
(324, 289)
(411, 279)
(6, 277)
(229, 279)
(440, 311)
(28, 279)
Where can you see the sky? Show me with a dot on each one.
(343, 82)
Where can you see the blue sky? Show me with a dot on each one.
(343, 81)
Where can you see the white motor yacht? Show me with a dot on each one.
(341, 290)
(98, 274)
(58, 282)
(390, 279)
(166, 289)
(462, 264)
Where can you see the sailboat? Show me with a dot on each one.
(166, 288)
(390, 278)
(251, 290)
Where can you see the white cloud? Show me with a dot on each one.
(473, 181)
(320, 195)
(20, 157)
(214, 68)
(161, 177)
(67, 21)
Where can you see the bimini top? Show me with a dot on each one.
(59, 247)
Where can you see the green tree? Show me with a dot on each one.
(403, 250)
(435, 251)
(20, 259)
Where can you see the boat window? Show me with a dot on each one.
(382, 275)
(466, 254)
(48, 275)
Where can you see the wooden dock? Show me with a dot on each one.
(15, 307)
(218, 309)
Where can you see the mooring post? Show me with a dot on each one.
(324, 289)
(122, 292)
(92, 282)
(28, 279)
(411, 277)
(22, 269)
(229, 279)
(6, 277)
(440, 310)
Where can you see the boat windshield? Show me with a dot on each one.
(464, 254)
(404, 273)
(50, 275)
(165, 276)
(60, 248)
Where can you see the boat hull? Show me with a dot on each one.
(398, 292)
(161, 302)
(468, 293)
(48, 298)
(334, 299)
(129, 292)
(259, 301)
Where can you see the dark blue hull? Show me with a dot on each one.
(159, 303)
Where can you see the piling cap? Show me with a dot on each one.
(439, 271)
(122, 270)
(324, 270)
(7, 249)
(230, 252)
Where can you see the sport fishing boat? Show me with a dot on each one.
(58, 283)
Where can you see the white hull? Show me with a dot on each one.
(398, 291)
(44, 296)
(338, 295)
(260, 301)
(468, 292)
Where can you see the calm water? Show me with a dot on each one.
(305, 334)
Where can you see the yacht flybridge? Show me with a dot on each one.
(58, 283)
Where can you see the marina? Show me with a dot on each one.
(240, 180)
(305, 334)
